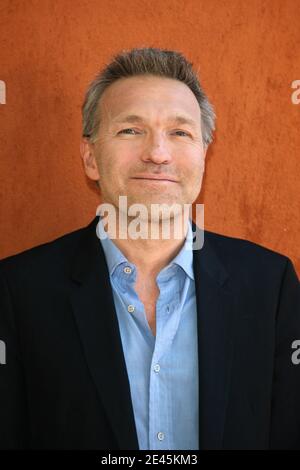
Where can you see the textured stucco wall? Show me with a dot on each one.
(248, 54)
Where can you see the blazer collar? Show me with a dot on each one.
(92, 300)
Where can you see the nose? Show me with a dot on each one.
(157, 150)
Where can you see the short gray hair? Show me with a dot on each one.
(145, 61)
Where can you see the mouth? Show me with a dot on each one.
(156, 179)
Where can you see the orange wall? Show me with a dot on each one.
(248, 52)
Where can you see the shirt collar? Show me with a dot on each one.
(115, 257)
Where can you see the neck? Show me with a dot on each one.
(150, 255)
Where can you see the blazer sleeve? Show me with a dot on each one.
(13, 409)
(285, 406)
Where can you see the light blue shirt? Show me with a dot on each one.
(162, 369)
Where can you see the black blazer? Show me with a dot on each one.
(65, 386)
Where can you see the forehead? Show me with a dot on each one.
(149, 96)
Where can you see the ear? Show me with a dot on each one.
(87, 151)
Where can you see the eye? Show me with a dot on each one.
(183, 133)
(125, 131)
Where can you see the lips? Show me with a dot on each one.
(156, 177)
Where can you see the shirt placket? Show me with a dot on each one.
(160, 422)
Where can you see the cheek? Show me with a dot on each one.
(121, 154)
(194, 165)
(106, 159)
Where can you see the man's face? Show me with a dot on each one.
(143, 136)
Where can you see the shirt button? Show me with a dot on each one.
(130, 308)
(127, 270)
(168, 308)
(157, 367)
(160, 436)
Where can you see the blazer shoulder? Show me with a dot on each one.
(51, 252)
(237, 251)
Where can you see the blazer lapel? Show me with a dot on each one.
(93, 305)
(215, 342)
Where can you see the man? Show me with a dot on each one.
(143, 343)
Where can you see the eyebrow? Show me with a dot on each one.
(177, 118)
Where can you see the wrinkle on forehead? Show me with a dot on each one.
(156, 95)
